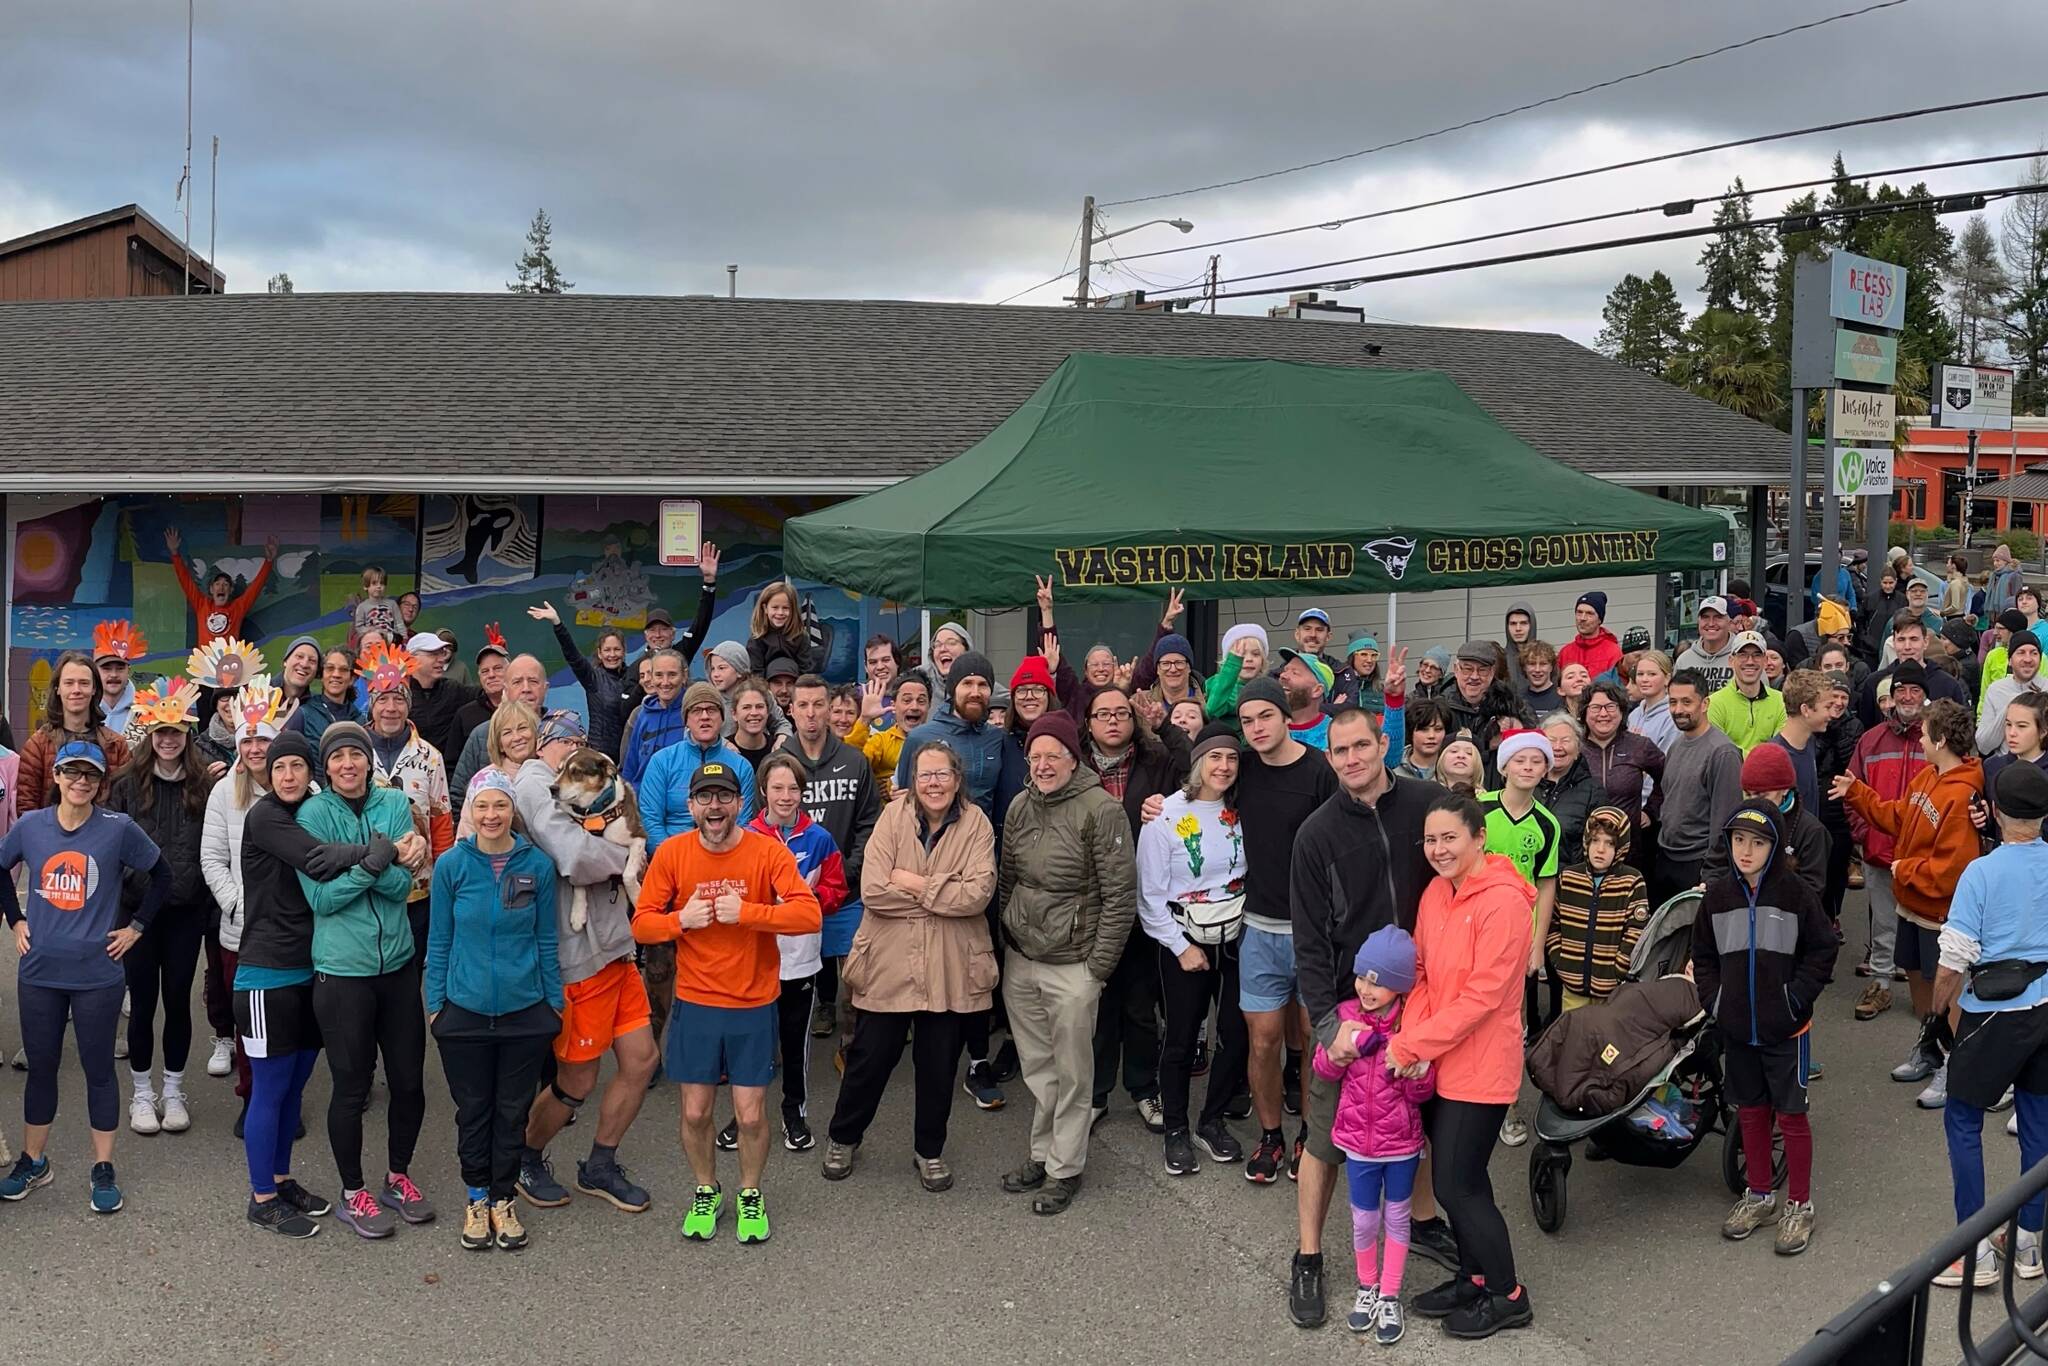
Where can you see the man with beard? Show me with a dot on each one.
(2024, 659)
(1307, 681)
(1713, 654)
(1702, 785)
(1909, 643)
(1886, 760)
(839, 793)
(1311, 634)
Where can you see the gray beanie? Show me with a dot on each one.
(297, 641)
(343, 735)
(966, 640)
(734, 653)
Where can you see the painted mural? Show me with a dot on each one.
(474, 558)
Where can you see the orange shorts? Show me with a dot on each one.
(598, 1009)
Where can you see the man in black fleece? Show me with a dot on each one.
(840, 795)
(1357, 867)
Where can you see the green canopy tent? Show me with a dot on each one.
(1124, 475)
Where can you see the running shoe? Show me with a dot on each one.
(1987, 1268)
(932, 1173)
(2004, 1102)
(27, 1174)
(177, 1119)
(1514, 1131)
(1305, 1301)
(106, 1192)
(1388, 1327)
(1750, 1213)
(361, 1212)
(839, 1158)
(537, 1183)
(1432, 1238)
(1489, 1314)
(796, 1134)
(222, 1060)
(750, 1221)
(1290, 1090)
(1264, 1167)
(1294, 1153)
(2027, 1261)
(1935, 1096)
(1795, 1228)
(280, 1218)
(1006, 1066)
(608, 1181)
(507, 1233)
(1215, 1139)
(728, 1139)
(476, 1225)
(1180, 1154)
(142, 1116)
(981, 1084)
(1152, 1114)
(1240, 1106)
(1364, 1310)
(304, 1201)
(701, 1223)
(824, 1019)
(402, 1195)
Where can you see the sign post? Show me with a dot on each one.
(1974, 398)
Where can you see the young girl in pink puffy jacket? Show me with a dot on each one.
(1378, 1126)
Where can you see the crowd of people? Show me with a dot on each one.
(1344, 897)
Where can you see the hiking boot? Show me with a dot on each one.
(839, 1159)
(1264, 1167)
(1795, 1228)
(728, 1139)
(933, 1173)
(476, 1226)
(980, 1083)
(1751, 1213)
(291, 1193)
(824, 1019)
(1057, 1193)
(507, 1233)
(1935, 1096)
(1875, 1001)
(1028, 1177)
(1180, 1154)
(1432, 1238)
(362, 1213)
(701, 1223)
(1152, 1114)
(280, 1218)
(1453, 1294)
(1987, 1268)
(537, 1182)
(607, 1180)
(750, 1221)
(402, 1195)
(1305, 1304)
(1489, 1314)
(1215, 1139)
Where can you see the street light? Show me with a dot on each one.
(1089, 238)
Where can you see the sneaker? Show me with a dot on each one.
(1935, 1096)
(20, 1063)
(120, 1045)
(362, 1213)
(728, 1139)
(1028, 1177)
(981, 1084)
(2004, 1102)
(796, 1134)
(1899, 974)
(1365, 1310)
(750, 1223)
(177, 1119)
(1863, 968)
(1264, 1167)
(1152, 1114)
(933, 1173)
(127, 1005)
(402, 1195)
(2027, 1261)
(142, 1116)
(608, 1181)
(1751, 1213)
(1096, 1114)
(1198, 1066)
(1514, 1131)
(1305, 1291)
(106, 1193)
(1875, 1001)
(222, 1060)
(1795, 1229)
(476, 1226)
(1180, 1154)
(1390, 1326)
(280, 1218)
(1987, 1268)
(701, 1223)
(1432, 1238)
(1214, 1138)
(1290, 1091)
(839, 1158)
(1240, 1106)
(2012, 1124)
(537, 1182)
(824, 1019)
(1815, 1069)
(1455, 1293)
(290, 1192)
(1919, 1064)
(1294, 1153)
(506, 1231)
(1006, 1066)
(1489, 1314)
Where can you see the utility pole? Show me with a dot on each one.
(1087, 244)
(1969, 487)
(1214, 263)
(213, 215)
(185, 179)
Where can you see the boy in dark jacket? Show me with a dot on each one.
(1762, 951)
(1767, 774)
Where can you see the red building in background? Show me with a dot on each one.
(120, 254)
(1934, 468)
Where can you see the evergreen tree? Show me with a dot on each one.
(2023, 326)
(1727, 357)
(1736, 261)
(537, 271)
(1920, 244)
(1641, 322)
(1976, 284)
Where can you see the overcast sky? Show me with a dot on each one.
(941, 149)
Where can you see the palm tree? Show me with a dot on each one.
(1726, 357)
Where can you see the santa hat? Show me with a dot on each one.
(1514, 742)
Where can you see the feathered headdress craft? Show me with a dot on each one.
(224, 662)
(494, 642)
(262, 709)
(385, 668)
(174, 702)
(118, 640)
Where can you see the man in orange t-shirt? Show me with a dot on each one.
(721, 894)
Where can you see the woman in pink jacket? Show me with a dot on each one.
(1464, 1017)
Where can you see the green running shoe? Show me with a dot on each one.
(752, 1222)
(701, 1223)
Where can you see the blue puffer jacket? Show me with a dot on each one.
(664, 789)
(654, 728)
(491, 936)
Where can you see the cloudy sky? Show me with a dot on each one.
(942, 149)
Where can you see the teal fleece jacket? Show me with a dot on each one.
(359, 923)
(491, 936)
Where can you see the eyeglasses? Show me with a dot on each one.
(716, 797)
(942, 776)
(1111, 714)
(1030, 692)
(78, 775)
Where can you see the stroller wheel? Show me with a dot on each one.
(1547, 1173)
(1733, 1172)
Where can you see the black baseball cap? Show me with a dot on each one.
(714, 775)
(660, 617)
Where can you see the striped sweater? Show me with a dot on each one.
(1595, 927)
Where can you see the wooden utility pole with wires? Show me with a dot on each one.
(1209, 290)
(1087, 242)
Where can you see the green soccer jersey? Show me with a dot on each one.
(1531, 843)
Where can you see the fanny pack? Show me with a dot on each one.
(1210, 922)
(2004, 978)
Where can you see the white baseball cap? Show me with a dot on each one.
(425, 642)
(1714, 604)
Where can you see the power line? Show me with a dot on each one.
(1563, 176)
(1051, 278)
(1799, 222)
(1518, 109)
(1672, 208)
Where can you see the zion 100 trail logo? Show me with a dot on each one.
(67, 879)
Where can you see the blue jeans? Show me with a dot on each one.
(1964, 1125)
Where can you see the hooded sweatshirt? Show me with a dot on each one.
(1935, 838)
(1599, 652)
(1764, 956)
(1518, 680)
(491, 933)
(583, 859)
(1465, 1014)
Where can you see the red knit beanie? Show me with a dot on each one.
(1768, 768)
(1033, 672)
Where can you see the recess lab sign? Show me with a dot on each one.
(1861, 290)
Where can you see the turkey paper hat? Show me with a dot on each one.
(385, 668)
(224, 662)
(118, 640)
(174, 702)
(260, 709)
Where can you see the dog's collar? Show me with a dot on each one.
(593, 819)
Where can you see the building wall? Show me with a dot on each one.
(1452, 616)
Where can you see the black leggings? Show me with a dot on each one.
(1127, 1023)
(1186, 996)
(1461, 1139)
(878, 1039)
(1841, 850)
(161, 965)
(977, 1027)
(793, 1023)
(360, 1018)
(94, 1015)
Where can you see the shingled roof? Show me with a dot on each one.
(593, 393)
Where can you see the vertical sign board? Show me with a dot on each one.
(1861, 290)
(1973, 398)
(680, 531)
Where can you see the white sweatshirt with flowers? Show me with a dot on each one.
(1193, 851)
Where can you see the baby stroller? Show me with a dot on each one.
(1667, 1119)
